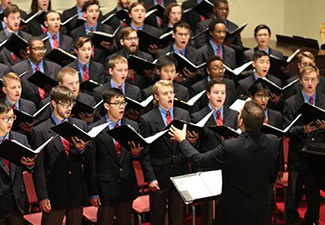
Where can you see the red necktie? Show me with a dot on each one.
(86, 73)
(168, 117)
(117, 145)
(219, 119)
(40, 90)
(219, 53)
(124, 24)
(202, 18)
(119, 87)
(266, 121)
(14, 58)
(311, 100)
(159, 20)
(92, 30)
(55, 42)
(14, 107)
(7, 165)
(44, 29)
(66, 146)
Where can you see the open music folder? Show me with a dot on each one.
(198, 186)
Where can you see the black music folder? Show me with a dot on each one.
(60, 57)
(24, 117)
(24, 22)
(238, 71)
(97, 37)
(183, 62)
(196, 127)
(277, 65)
(73, 21)
(298, 41)
(135, 105)
(274, 88)
(122, 15)
(146, 39)
(140, 64)
(226, 132)
(310, 113)
(126, 133)
(186, 105)
(236, 32)
(81, 107)
(198, 186)
(89, 85)
(204, 8)
(157, 10)
(43, 81)
(13, 151)
(68, 130)
(15, 44)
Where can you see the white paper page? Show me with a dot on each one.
(96, 130)
(40, 148)
(238, 105)
(203, 121)
(195, 98)
(240, 69)
(213, 180)
(147, 101)
(154, 137)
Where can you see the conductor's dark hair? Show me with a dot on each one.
(181, 24)
(253, 116)
(213, 82)
(259, 86)
(4, 106)
(259, 54)
(260, 27)
(110, 93)
(213, 23)
(165, 60)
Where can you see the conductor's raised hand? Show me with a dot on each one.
(177, 134)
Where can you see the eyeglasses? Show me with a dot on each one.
(218, 69)
(67, 104)
(119, 104)
(9, 119)
(262, 35)
(39, 49)
(182, 34)
(132, 39)
(266, 97)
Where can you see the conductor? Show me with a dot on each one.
(248, 166)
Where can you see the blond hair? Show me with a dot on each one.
(9, 76)
(115, 60)
(66, 71)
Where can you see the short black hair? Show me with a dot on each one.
(260, 27)
(4, 106)
(212, 59)
(259, 86)
(181, 24)
(110, 93)
(213, 82)
(213, 23)
(165, 60)
(32, 40)
(259, 54)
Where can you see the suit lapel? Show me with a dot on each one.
(159, 124)
(110, 146)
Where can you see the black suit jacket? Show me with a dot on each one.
(246, 83)
(200, 41)
(30, 90)
(34, 28)
(228, 58)
(151, 20)
(57, 177)
(100, 54)
(203, 101)
(298, 139)
(208, 139)
(4, 69)
(96, 71)
(114, 22)
(162, 158)
(65, 42)
(248, 165)
(112, 177)
(12, 187)
(181, 92)
(5, 54)
(24, 106)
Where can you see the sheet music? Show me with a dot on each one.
(154, 137)
(96, 130)
(213, 180)
(238, 105)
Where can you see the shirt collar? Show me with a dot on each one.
(135, 28)
(56, 120)
(112, 124)
(5, 137)
(40, 65)
(11, 104)
(182, 52)
(215, 111)
(307, 97)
